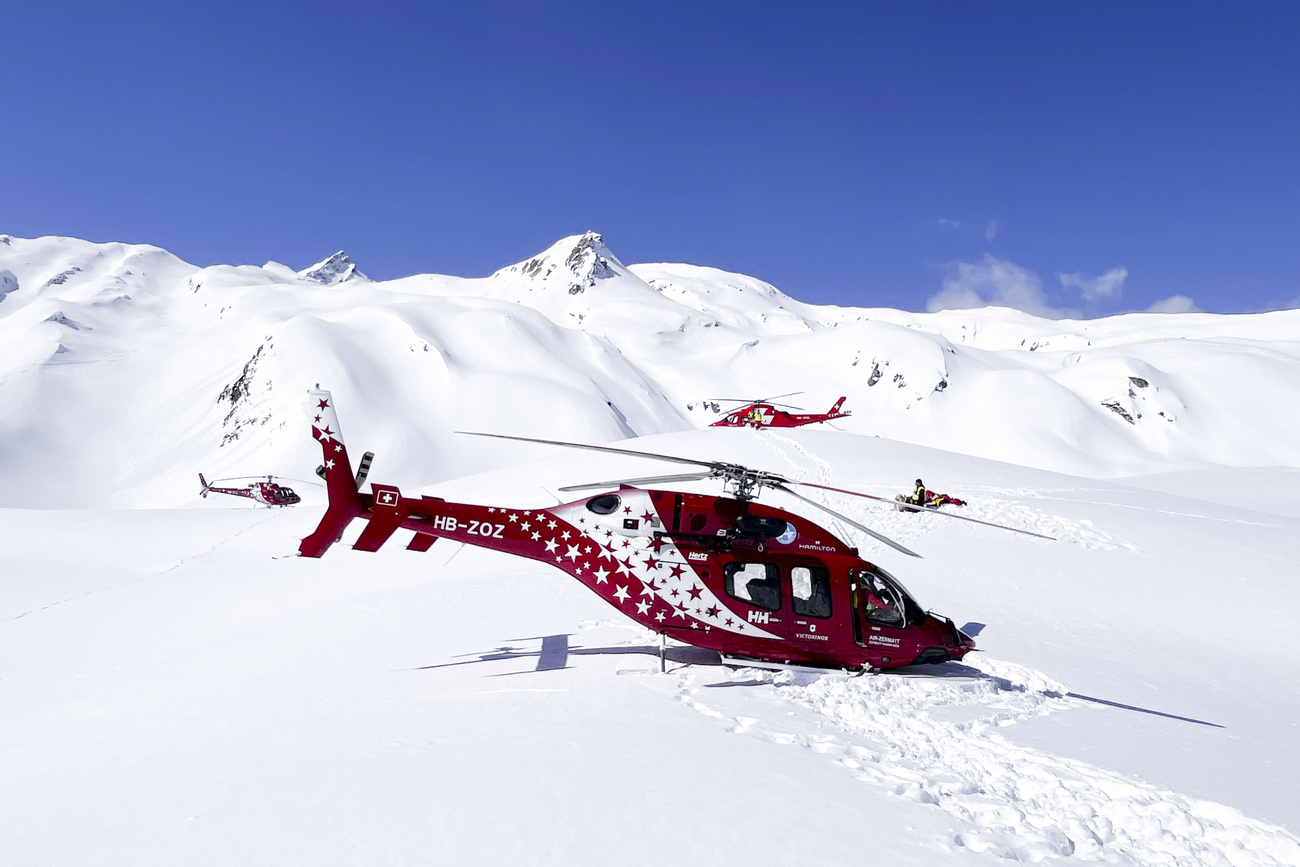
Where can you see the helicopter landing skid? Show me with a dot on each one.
(747, 662)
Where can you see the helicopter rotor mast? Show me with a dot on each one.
(741, 481)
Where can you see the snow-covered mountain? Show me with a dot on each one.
(175, 687)
(202, 368)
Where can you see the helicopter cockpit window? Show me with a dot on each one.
(883, 603)
(811, 586)
(605, 504)
(759, 584)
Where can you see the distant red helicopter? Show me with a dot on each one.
(757, 584)
(267, 493)
(764, 413)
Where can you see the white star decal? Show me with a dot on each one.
(573, 552)
(536, 536)
(329, 465)
(601, 575)
(642, 607)
(551, 545)
(621, 594)
(659, 615)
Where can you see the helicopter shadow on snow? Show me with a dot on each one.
(554, 653)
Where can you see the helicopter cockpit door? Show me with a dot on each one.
(879, 609)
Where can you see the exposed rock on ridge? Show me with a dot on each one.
(336, 269)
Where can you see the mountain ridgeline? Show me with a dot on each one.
(124, 370)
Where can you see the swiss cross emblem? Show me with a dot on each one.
(388, 498)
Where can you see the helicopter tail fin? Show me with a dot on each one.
(203, 484)
(344, 500)
(839, 403)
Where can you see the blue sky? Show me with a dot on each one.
(1076, 157)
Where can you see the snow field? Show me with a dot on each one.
(176, 687)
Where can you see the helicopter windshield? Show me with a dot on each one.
(886, 602)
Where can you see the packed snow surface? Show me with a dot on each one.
(177, 687)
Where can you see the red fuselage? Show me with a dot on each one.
(766, 415)
(719, 573)
(266, 493)
(722, 573)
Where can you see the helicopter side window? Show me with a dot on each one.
(759, 584)
(811, 586)
(883, 603)
(605, 504)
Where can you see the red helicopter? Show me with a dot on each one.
(757, 584)
(267, 493)
(764, 413)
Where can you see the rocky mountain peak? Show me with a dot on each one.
(334, 270)
(577, 263)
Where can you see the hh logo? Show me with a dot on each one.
(759, 617)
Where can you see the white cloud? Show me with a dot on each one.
(1174, 304)
(991, 230)
(1094, 289)
(946, 223)
(993, 282)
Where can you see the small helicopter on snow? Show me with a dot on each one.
(757, 584)
(268, 493)
(764, 413)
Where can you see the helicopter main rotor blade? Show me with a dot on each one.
(753, 400)
(870, 532)
(608, 449)
(647, 480)
(912, 507)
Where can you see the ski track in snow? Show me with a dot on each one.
(1006, 800)
(172, 568)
